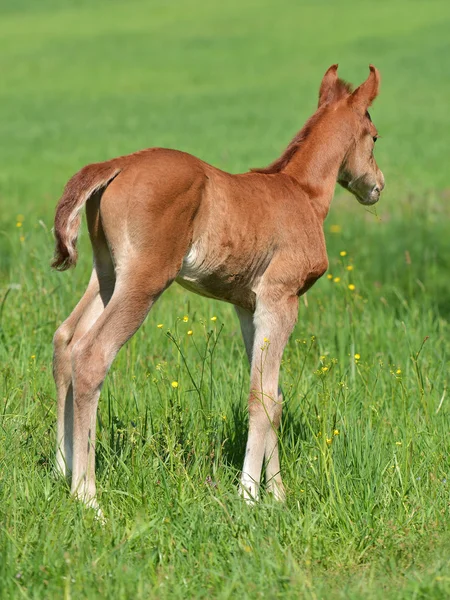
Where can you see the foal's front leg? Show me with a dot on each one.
(274, 484)
(273, 322)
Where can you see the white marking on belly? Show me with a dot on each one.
(194, 271)
(191, 266)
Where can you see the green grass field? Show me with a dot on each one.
(365, 441)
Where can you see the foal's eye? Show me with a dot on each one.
(375, 137)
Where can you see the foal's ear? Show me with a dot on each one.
(328, 85)
(366, 93)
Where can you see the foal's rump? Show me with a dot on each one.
(146, 201)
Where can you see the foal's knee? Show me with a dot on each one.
(89, 366)
(265, 408)
(277, 409)
(62, 370)
(62, 337)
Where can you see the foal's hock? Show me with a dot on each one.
(253, 239)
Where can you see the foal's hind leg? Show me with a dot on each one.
(87, 311)
(135, 292)
(62, 373)
(74, 327)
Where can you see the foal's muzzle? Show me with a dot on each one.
(373, 195)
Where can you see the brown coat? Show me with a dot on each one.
(254, 239)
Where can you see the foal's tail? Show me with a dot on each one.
(68, 219)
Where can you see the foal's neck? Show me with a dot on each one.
(315, 165)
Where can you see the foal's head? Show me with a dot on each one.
(359, 172)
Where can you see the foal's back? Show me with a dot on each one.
(214, 231)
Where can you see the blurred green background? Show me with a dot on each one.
(83, 81)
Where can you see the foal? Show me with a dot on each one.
(254, 239)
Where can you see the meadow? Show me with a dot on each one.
(365, 433)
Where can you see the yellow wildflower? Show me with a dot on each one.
(329, 441)
(190, 332)
(329, 276)
(266, 340)
(213, 318)
(357, 356)
(185, 318)
(18, 224)
(160, 326)
(342, 253)
(336, 432)
(336, 279)
(398, 443)
(174, 384)
(349, 267)
(398, 371)
(335, 228)
(33, 356)
(351, 287)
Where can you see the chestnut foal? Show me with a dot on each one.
(254, 239)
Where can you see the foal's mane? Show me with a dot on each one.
(341, 89)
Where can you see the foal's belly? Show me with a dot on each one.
(220, 287)
(220, 279)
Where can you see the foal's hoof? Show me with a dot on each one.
(92, 503)
(277, 491)
(248, 490)
(98, 513)
(99, 516)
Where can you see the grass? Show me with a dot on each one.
(367, 512)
